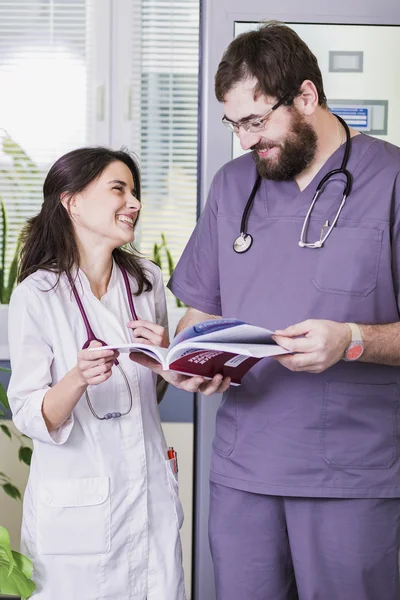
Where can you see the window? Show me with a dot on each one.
(45, 70)
(165, 70)
(112, 72)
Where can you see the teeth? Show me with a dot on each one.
(125, 219)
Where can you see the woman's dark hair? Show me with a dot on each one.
(276, 57)
(48, 241)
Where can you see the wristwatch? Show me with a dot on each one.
(356, 347)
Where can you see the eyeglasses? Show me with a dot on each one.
(254, 125)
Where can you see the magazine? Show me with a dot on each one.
(226, 346)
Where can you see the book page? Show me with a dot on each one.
(155, 352)
(224, 330)
(255, 350)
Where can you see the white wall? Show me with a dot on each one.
(178, 435)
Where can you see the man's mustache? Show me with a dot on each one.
(260, 146)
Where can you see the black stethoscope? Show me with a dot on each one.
(244, 241)
(91, 337)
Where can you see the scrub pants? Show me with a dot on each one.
(281, 548)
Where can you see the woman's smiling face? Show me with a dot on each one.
(107, 208)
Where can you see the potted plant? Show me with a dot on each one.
(24, 451)
(15, 568)
(175, 313)
(15, 571)
(7, 282)
(20, 186)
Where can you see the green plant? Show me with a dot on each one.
(6, 284)
(24, 451)
(15, 570)
(20, 186)
(157, 259)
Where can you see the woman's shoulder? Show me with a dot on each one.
(151, 269)
(38, 282)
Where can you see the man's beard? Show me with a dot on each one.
(297, 151)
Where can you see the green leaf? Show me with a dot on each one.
(15, 583)
(3, 398)
(25, 455)
(5, 545)
(171, 265)
(4, 370)
(23, 563)
(3, 217)
(12, 276)
(6, 430)
(15, 570)
(12, 491)
(157, 255)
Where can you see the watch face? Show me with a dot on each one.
(354, 352)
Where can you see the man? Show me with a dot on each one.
(305, 474)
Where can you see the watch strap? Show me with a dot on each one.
(355, 332)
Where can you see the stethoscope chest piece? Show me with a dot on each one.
(242, 243)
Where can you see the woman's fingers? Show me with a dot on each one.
(94, 365)
(91, 355)
(100, 378)
(147, 332)
(158, 329)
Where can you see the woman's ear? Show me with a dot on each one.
(70, 203)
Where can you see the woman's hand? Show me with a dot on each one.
(94, 367)
(216, 385)
(150, 333)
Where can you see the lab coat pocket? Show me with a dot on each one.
(73, 516)
(359, 425)
(174, 488)
(348, 263)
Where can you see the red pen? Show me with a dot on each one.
(173, 455)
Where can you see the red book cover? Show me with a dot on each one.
(208, 363)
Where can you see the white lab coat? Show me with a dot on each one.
(101, 512)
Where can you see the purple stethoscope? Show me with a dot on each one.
(92, 337)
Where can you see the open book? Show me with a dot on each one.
(225, 346)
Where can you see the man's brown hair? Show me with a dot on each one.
(276, 57)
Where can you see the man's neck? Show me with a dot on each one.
(331, 135)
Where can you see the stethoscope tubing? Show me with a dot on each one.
(91, 337)
(244, 241)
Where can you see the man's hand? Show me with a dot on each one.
(190, 384)
(322, 344)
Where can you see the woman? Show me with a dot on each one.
(101, 509)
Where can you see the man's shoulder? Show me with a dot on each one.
(379, 153)
(237, 167)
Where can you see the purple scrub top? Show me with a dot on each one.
(333, 434)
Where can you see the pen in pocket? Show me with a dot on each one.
(173, 455)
